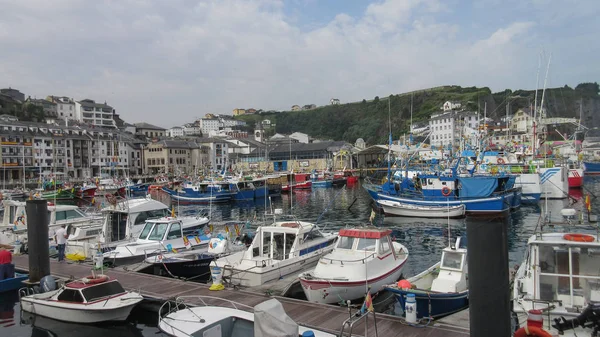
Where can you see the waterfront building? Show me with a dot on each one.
(65, 106)
(149, 131)
(176, 131)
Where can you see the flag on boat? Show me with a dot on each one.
(588, 203)
(367, 304)
(197, 239)
(186, 241)
(237, 229)
(372, 217)
(173, 211)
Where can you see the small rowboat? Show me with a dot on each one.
(401, 209)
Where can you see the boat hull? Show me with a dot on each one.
(575, 178)
(441, 304)
(591, 168)
(331, 291)
(13, 283)
(196, 270)
(78, 314)
(399, 209)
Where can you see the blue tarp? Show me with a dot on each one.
(469, 153)
(474, 187)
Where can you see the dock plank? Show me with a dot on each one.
(324, 317)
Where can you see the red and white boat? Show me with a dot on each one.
(362, 257)
(575, 177)
(92, 299)
(299, 181)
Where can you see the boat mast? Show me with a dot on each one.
(389, 172)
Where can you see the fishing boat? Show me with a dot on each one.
(440, 290)
(408, 210)
(279, 249)
(79, 226)
(203, 193)
(225, 318)
(591, 168)
(363, 258)
(195, 265)
(158, 236)
(297, 181)
(559, 275)
(93, 299)
(13, 283)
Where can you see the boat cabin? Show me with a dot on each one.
(165, 230)
(452, 277)
(285, 240)
(367, 242)
(16, 219)
(127, 218)
(568, 272)
(82, 291)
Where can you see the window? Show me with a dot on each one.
(62, 215)
(174, 232)
(451, 260)
(146, 230)
(345, 242)
(158, 232)
(102, 290)
(366, 244)
(70, 295)
(384, 247)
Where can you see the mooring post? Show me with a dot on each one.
(37, 239)
(489, 293)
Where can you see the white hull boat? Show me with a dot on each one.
(89, 300)
(229, 319)
(278, 250)
(362, 258)
(560, 275)
(402, 209)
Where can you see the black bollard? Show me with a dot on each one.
(37, 239)
(489, 293)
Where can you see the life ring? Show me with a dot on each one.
(579, 237)
(446, 191)
(91, 279)
(213, 243)
(500, 161)
(531, 331)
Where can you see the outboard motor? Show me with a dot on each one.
(589, 318)
(47, 283)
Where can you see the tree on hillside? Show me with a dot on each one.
(589, 87)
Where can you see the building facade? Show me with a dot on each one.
(92, 113)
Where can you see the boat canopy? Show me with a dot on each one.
(472, 187)
(365, 233)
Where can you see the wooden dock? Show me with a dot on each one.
(324, 317)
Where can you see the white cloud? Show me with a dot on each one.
(168, 62)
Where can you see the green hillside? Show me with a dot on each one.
(369, 119)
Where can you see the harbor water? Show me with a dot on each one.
(335, 208)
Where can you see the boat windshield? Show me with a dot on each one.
(345, 242)
(451, 260)
(146, 230)
(569, 273)
(366, 244)
(102, 290)
(158, 231)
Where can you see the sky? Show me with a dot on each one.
(170, 62)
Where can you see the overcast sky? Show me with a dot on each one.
(168, 62)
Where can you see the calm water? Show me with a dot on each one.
(336, 208)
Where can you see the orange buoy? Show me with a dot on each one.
(404, 284)
(579, 237)
(446, 191)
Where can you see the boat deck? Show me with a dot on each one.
(324, 317)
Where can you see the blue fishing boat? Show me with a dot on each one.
(591, 168)
(440, 290)
(13, 283)
(203, 192)
(324, 183)
(479, 194)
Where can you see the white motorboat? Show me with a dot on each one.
(158, 236)
(88, 300)
(440, 290)
(123, 223)
(402, 209)
(362, 258)
(79, 225)
(560, 275)
(226, 318)
(278, 250)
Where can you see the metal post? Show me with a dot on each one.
(488, 287)
(37, 237)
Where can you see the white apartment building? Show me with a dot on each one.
(192, 129)
(228, 122)
(448, 128)
(176, 131)
(209, 124)
(92, 113)
(65, 107)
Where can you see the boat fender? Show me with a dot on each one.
(500, 161)
(446, 191)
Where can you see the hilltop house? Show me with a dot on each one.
(296, 107)
(334, 101)
(237, 112)
(450, 106)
